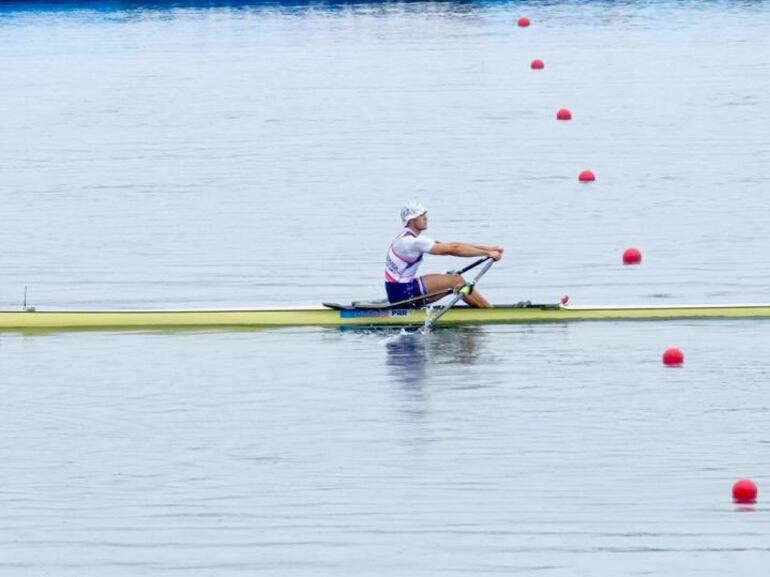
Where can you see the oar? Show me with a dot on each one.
(474, 264)
(465, 290)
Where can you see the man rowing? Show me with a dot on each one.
(405, 255)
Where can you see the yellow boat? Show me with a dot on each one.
(362, 315)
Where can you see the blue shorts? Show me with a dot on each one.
(401, 291)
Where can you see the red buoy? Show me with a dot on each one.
(673, 357)
(632, 256)
(537, 64)
(745, 491)
(586, 176)
(565, 299)
(563, 114)
(523, 21)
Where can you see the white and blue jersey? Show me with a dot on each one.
(402, 263)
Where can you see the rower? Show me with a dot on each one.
(405, 255)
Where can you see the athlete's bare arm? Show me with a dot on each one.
(464, 249)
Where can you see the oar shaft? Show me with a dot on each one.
(474, 264)
(465, 290)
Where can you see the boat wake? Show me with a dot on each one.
(404, 334)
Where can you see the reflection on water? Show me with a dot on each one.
(411, 354)
(407, 357)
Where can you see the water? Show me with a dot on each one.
(185, 155)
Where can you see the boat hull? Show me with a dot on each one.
(321, 316)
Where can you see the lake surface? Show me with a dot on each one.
(228, 154)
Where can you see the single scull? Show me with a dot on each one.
(373, 315)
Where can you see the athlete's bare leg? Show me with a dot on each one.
(439, 282)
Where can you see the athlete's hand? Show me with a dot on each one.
(496, 253)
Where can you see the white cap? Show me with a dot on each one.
(412, 209)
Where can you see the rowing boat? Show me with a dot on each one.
(332, 315)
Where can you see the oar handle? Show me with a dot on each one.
(474, 264)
